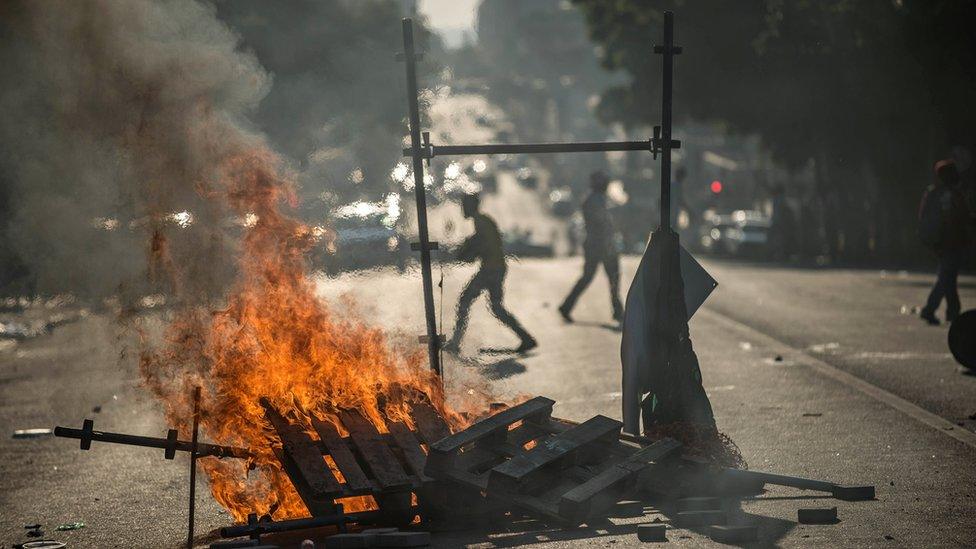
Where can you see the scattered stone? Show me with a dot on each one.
(733, 534)
(347, 541)
(688, 519)
(96, 409)
(779, 358)
(71, 526)
(887, 537)
(403, 539)
(817, 516)
(812, 414)
(699, 504)
(652, 532)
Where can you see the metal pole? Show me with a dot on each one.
(668, 69)
(193, 465)
(433, 343)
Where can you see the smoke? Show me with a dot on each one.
(114, 116)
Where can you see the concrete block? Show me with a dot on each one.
(689, 519)
(371, 533)
(817, 516)
(853, 493)
(652, 532)
(733, 534)
(699, 504)
(347, 541)
(403, 539)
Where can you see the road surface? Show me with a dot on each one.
(861, 393)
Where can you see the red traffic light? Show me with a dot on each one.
(716, 186)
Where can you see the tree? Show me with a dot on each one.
(869, 92)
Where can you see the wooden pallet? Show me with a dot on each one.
(544, 465)
(387, 466)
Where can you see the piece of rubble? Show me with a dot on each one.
(733, 534)
(688, 519)
(652, 532)
(403, 539)
(32, 433)
(699, 504)
(817, 516)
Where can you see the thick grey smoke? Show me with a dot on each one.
(116, 114)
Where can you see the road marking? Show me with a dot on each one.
(921, 415)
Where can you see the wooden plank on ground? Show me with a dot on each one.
(443, 452)
(513, 474)
(585, 499)
(343, 457)
(304, 453)
(431, 427)
(378, 456)
(406, 441)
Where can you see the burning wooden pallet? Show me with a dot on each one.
(389, 467)
(545, 465)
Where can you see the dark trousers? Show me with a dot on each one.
(945, 285)
(491, 281)
(611, 264)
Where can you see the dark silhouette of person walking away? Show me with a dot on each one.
(485, 244)
(944, 227)
(598, 248)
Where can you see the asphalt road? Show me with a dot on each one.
(861, 394)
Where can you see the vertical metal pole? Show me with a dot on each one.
(193, 465)
(668, 69)
(433, 343)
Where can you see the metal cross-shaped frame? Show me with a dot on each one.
(422, 149)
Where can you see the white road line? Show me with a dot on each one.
(934, 421)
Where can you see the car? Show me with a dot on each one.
(740, 233)
(363, 235)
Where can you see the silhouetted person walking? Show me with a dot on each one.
(485, 244)
(598, 248)
(944, 227)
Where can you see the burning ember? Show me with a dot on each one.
(272, 338)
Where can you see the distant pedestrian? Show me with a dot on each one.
(598, 248)
(943, 226)
(485, 244)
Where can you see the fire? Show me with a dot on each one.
(273, 338)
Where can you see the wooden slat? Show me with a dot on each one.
(443, 452)
(305, 454)
(317, 506)
(578, 503)
(406, 441)
(431, 427)
(379, 458)
(342, 456)
(513, 474)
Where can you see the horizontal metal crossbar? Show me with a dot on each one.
(171, 444)
(430, 151)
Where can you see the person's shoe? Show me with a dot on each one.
(527, 345)
(564, 312)
(929, 316)
(452, 347)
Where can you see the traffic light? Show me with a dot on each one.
(716, 187)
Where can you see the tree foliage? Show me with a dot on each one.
(871, 91)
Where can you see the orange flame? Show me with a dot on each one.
(273, 338)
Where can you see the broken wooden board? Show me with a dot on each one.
(544, 465)
(386, 466)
